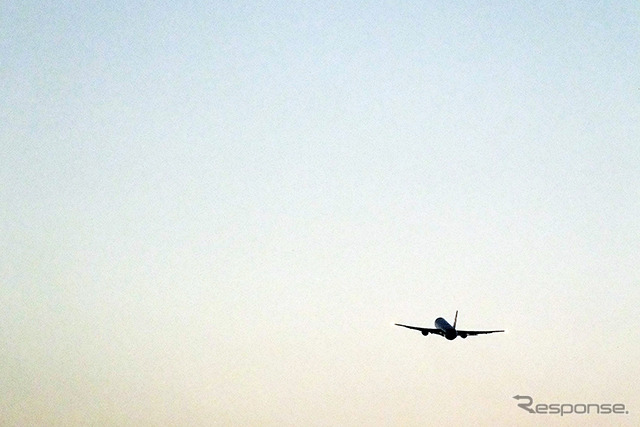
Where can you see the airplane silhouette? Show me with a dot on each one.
(443, 328)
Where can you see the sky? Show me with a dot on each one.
(212, 213)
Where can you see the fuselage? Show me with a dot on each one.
(448, 330)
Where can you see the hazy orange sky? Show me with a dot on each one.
(213, 213)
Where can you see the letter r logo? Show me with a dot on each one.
(523, 405)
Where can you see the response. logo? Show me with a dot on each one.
(570, 408)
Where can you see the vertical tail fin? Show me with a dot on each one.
(455, 320)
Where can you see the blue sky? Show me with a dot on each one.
(213, 213)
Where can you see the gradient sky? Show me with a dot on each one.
(212, 213)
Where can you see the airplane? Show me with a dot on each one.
(444, 329)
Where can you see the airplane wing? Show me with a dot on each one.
(423, 330)
(461, 333)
